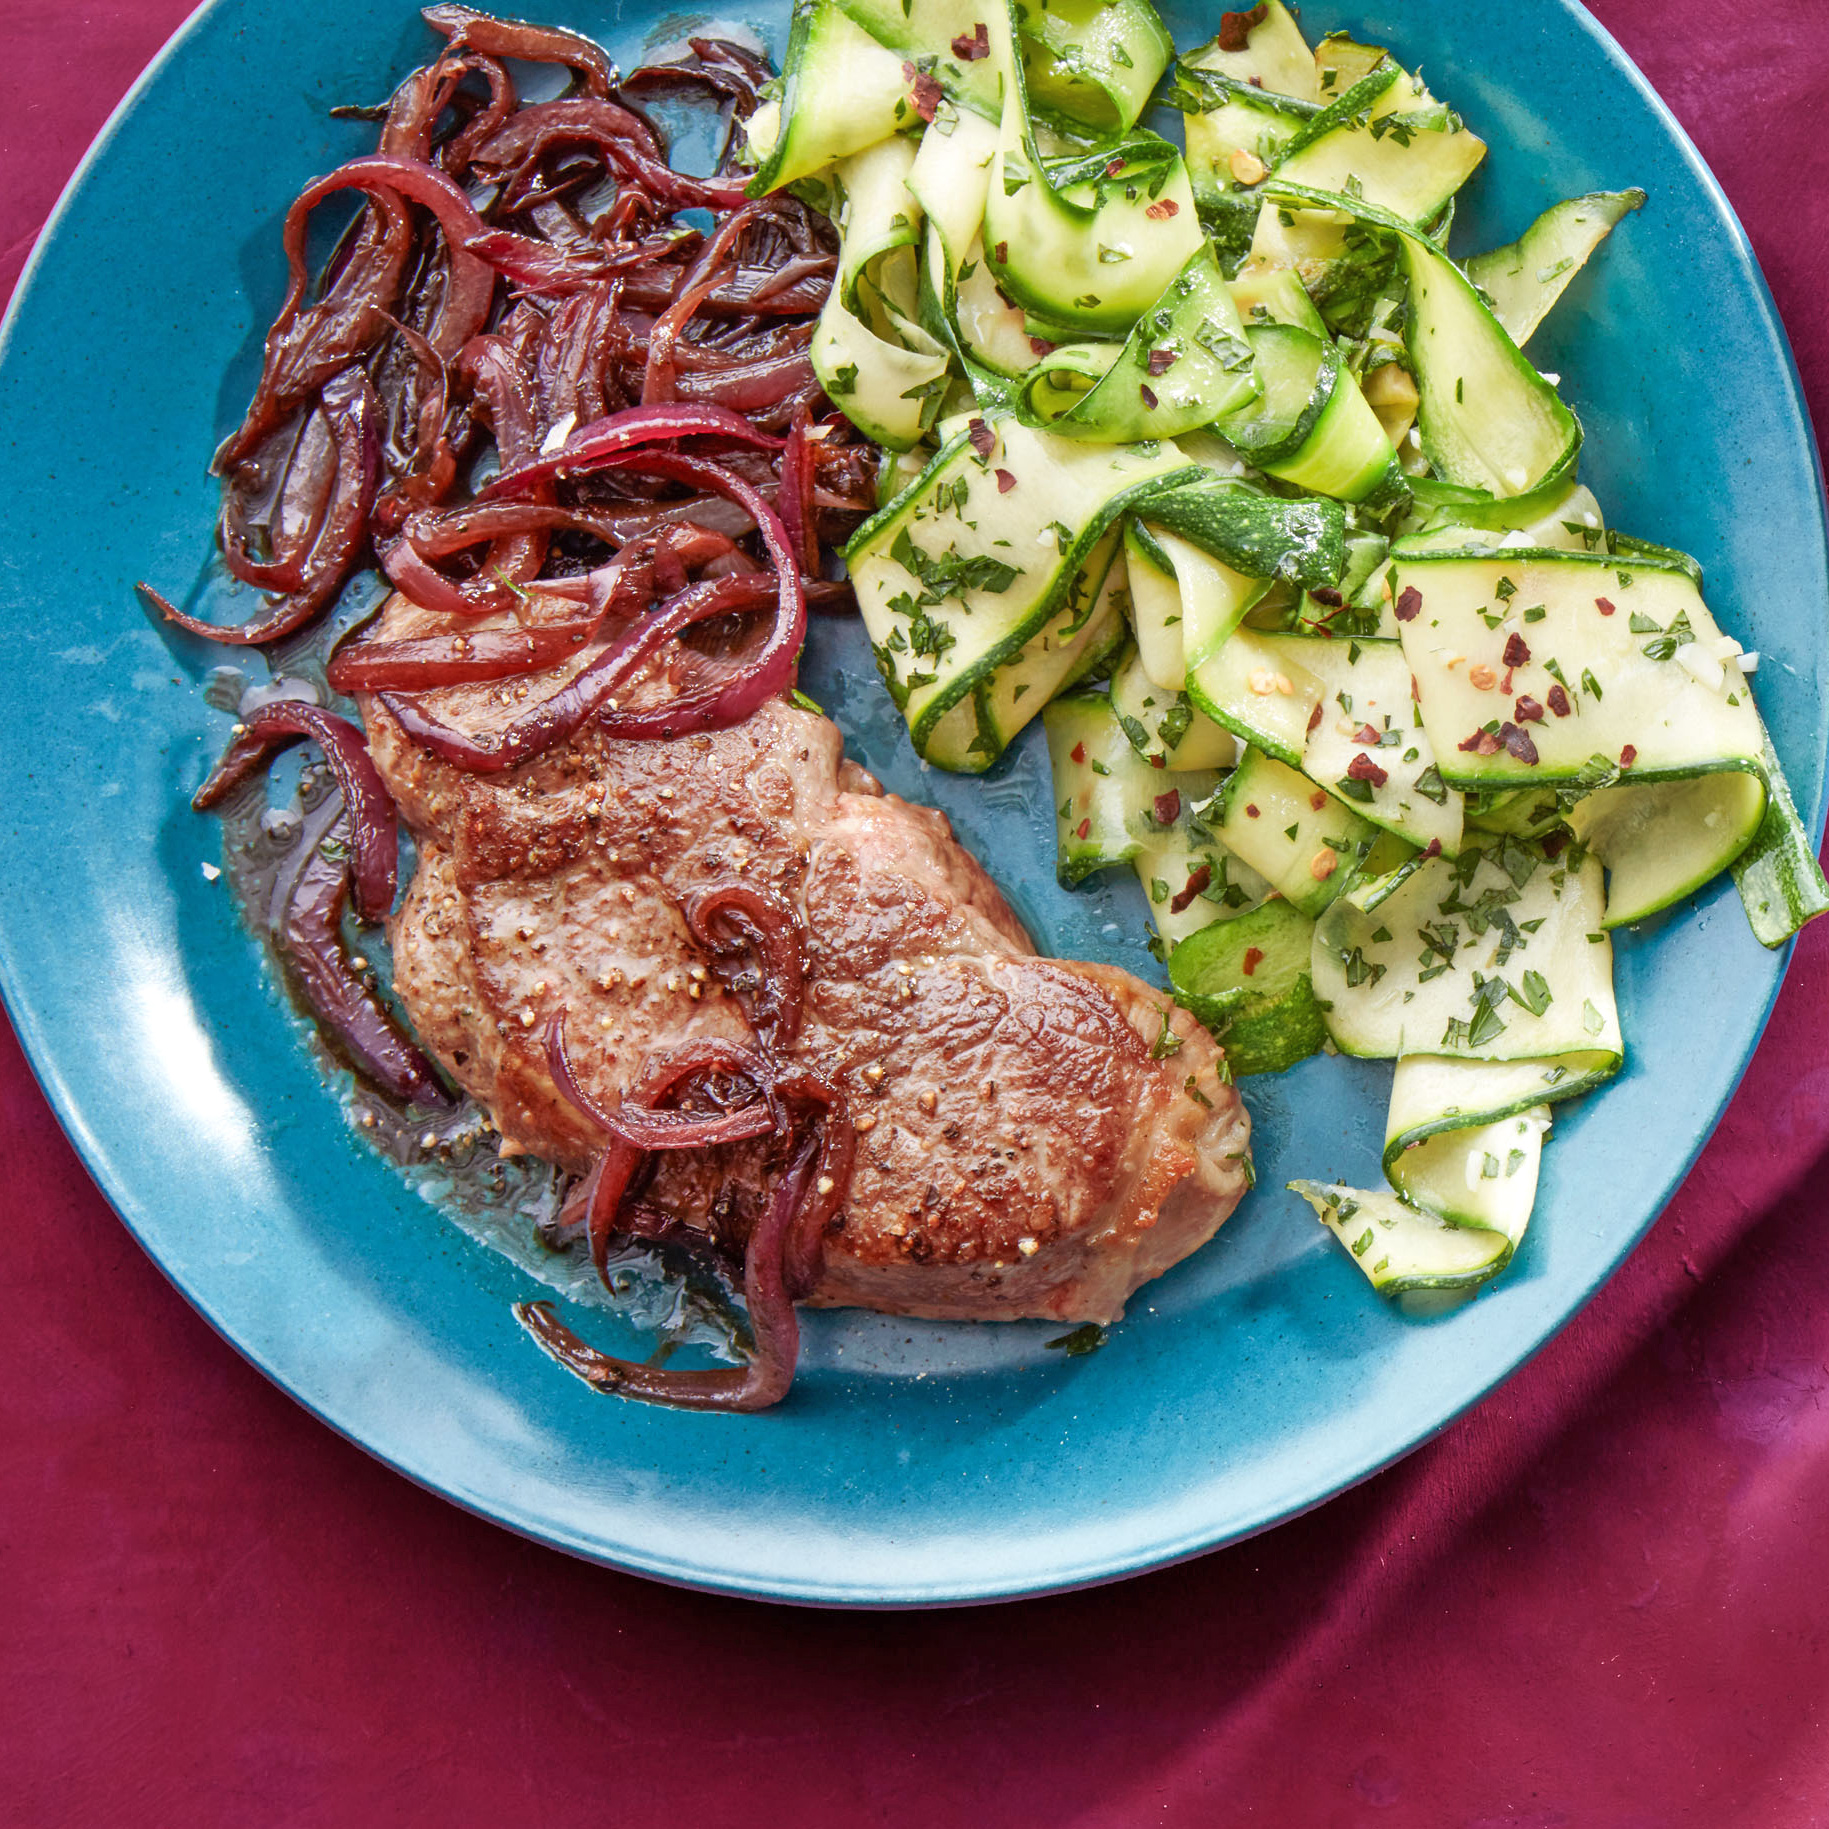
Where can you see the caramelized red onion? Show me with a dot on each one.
(602, 443)
(373, 822)
(467, 29)
(311, 941)
(731, 919)
(457, 660)
(566, 711)
(342, 533)
(783, 1257)
(767, 1375)
(641, 1123)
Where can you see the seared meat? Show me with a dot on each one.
(1020, 1152)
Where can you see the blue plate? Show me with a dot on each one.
(915, 1463)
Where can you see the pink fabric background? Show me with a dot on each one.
(1602, 1599)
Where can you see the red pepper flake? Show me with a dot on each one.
(1162, 209)
(1162, 360)
(1363, 768)
(1079, 752)
(1516, 653)
(1147, 395)
(1314, 720)
(969, 50)
(1040, 345)
(984, 440)
(1317, 800)
(1084, 830)
(1114, 168)
(1235, 28)
(1558, 701)
(1505, 683)
(1168, 807)
(1628, 756)
(1554, 843)
(1158, 761)
(1433, 848)
(1481, 743)
(1197, 881)
(1365, 734)
(1409, 604)
(1528, 711)
(1605, 608)
(1005, 481)
(1001, 254)
(924, 91)
(1251, 812)
(1325, 593)
(1518, 744)
(1254, 957)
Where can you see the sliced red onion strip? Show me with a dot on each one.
(768, 1375)
(567, 710)
(770, 669)
(350, 406)
(707, 270)
(794, 498)
(751, 386)
(431, 661)
(311, 942)
(637, 1121)
(374, 824)
(571, 121)
(593, 446)
(766, 926)
(468, 29)
(806, 1245)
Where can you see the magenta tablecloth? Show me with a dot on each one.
(1600, 1600)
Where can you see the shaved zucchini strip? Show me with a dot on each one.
(1311, 425)
(1259, 687)
(1185, 364)
(1616, 666)
(1108, 801)
(1088, 626)
(1500, 955)
(879, 367)
(925, 30)
(1486, 418)
(1463, 1139)
(1163, 726)
(1482, 1176)
(1780, 881)
(1400, 1249)
(1092, 63)
(1088, 246)
(1246, 976)
(949, 178)
(841, 92)
(1275, 55)
(1185, 603)
(1305, 842)
(975, 558)
(1526, 278)
(1389, 137)
(1663, 840)
(1393, 779)
(1186, 874)
(1261, 535)
(1431, 1093)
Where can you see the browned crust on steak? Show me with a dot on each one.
(1020, 1152)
